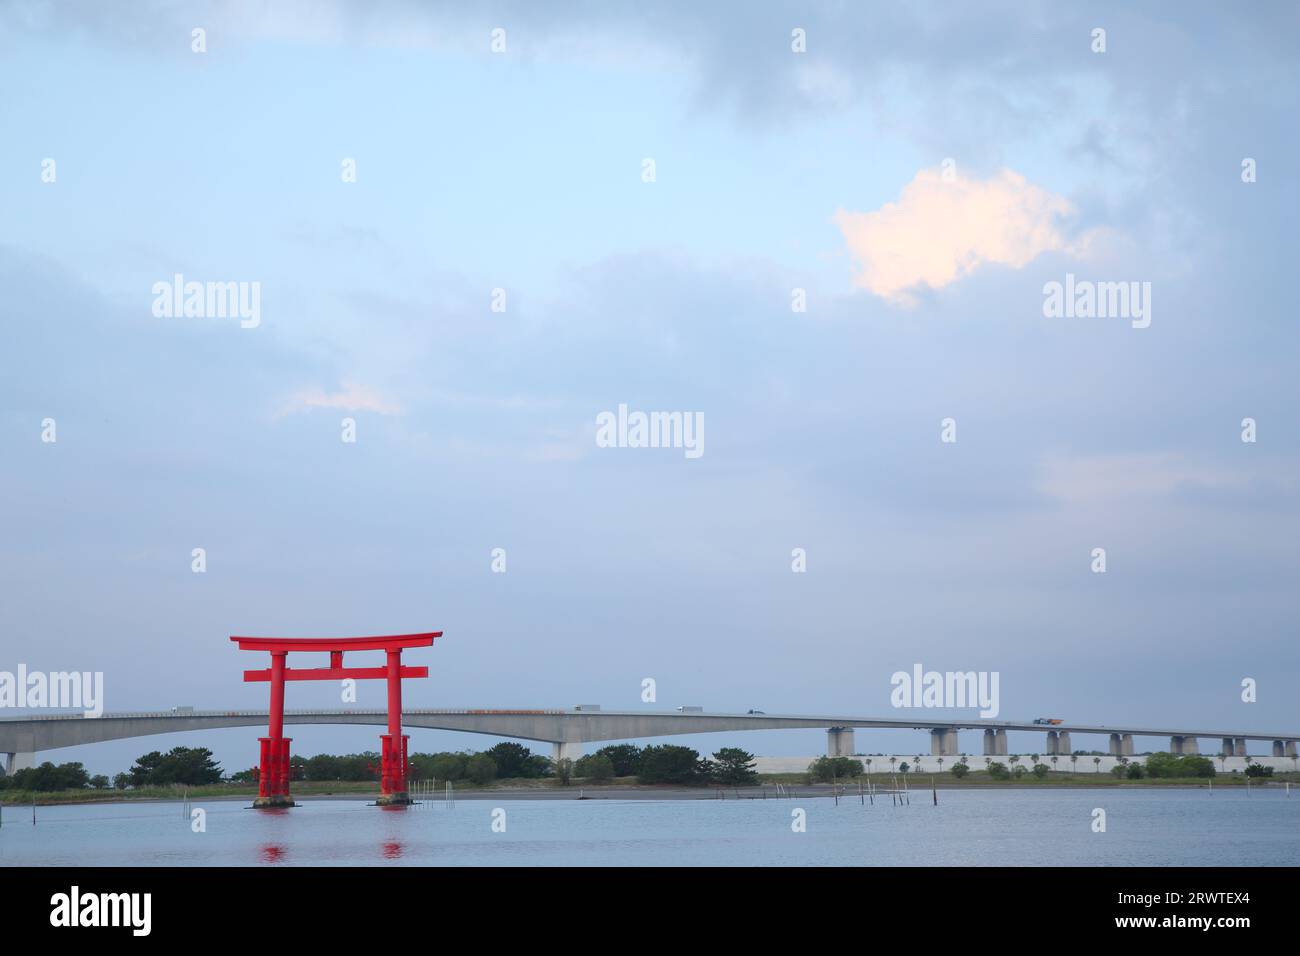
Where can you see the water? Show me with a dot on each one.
(968, 828)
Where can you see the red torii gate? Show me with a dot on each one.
(273, 779)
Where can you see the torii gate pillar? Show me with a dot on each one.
(273, 775)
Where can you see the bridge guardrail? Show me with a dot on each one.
(289, 712)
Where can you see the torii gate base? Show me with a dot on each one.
(273, 774)
(274, 771)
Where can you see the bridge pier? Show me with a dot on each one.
(1053, 743)
(11, 763)
(1184, 745)
(943, 742)
(840, 742)
(1002, 743)
(990, 743)
(566, 750)
(1290, 748)
(1279, 749)
(1114, 748)
(1063, 745)
(1239, 746)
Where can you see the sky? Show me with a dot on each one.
(914, 177)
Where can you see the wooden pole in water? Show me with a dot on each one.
(935, 791)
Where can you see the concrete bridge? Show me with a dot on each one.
(23, 737)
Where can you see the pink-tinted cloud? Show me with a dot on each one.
(352, 398)
(941, 230)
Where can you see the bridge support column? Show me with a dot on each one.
(1063, 744)
(943, 742)
(1279, 749)
(990, 743)
(1002, 743)
(1239, 747)
(1227, 750)
(11, 763)
(566, 750)
(840, 742)
(1290, 748)
(1114, 750)
(1053, 743)
(1184, 745)
(1126, 745)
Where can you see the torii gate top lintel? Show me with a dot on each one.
(380, 643)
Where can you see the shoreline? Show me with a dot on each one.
(626, 792)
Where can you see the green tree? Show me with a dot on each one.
(1173, 765)
(563, 770)
(191, 766)
(668, 763)
(826, 769)
(959, 770)
(735, 767)
(323, 767)
(998, 770)
(1040, 770)
(515, 760)
(449, 766)
(626, 759)
(596, 767)
(49, 777)
(481, 769)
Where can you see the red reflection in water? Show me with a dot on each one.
(392, 851)
(272, 853)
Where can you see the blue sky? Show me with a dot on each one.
(522, 171)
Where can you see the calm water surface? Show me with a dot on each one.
(968, 828)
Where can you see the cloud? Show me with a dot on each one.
(939, 232)
(1100, 479)
(353, 398)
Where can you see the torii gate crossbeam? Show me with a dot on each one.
(273, 776)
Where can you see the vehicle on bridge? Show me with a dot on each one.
(690, 709)
(759, 712)
(1051, 721)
